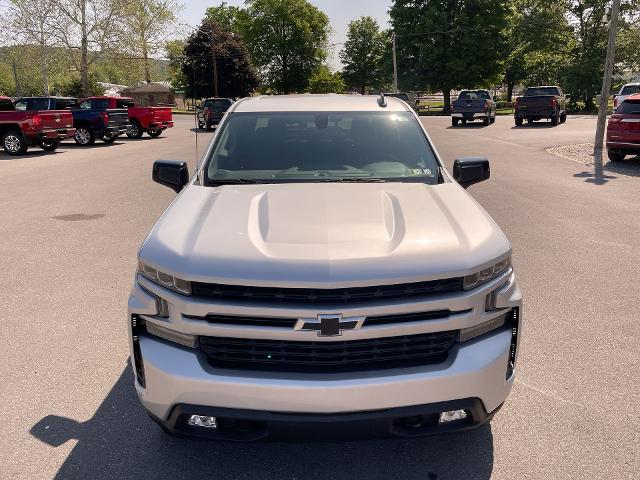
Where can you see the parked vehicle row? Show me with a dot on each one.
(104, 118)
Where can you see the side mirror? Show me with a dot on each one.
(171, 173)
(467, 171)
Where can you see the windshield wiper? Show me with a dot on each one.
(235, 181)
(348, 179)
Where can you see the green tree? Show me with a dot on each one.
(325, 81)
(231, 18)
(237, 77)
(363, 55)
(287, 40)
(444, 45)
(175, 54)
(146, 26)
(540, 39)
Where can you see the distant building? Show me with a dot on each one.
(111, 89)
(150, 94)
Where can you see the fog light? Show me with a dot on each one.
(452, 416)
(202, 421)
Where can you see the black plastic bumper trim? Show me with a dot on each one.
(252, 425)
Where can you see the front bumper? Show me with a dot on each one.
(116, 130)
(251, 425)
(625, 146)
(176, 375)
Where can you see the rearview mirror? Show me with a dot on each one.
(467, 171)
(171, 173)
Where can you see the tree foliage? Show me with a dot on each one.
(363, 55)
(287, 40)
(146, 26)
(325, 81)
(447, 45)
(237, 77)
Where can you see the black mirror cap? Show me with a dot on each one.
(171, 173)
(467, 171)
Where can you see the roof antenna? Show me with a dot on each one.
(382, 102)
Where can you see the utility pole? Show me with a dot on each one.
(15, 78)
(214, 58)
(606, 84)
(395, 65)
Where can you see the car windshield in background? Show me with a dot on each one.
(221, 103)
(6, 105)
(351, 146)
(474, 95)
(630, 90)
(631, 107)
(535, 92)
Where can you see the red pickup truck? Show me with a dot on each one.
(152, 120)
(20, 129)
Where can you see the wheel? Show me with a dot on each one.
(201, 126)
(84, 136)
(493, 119)
(109, 139)
(554, 120)
(563, 117)
(454, 122)
(14, 143)
(134, 130)
(486, 121)
(209, 126)
(464, 122)
(615, 156)
(518, 122)
(49, 145)
(154, 132)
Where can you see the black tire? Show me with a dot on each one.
(518, 122)
(486, 121)
(555, 120)
(154, 132)
(84, 136)
(49, 145)
(563, 117)
(209, 127)
(14, 143)
(109, 139)
(454, 122)
(135, 130)
(493, 119)
(464, 122)
(615, 156)
(201, 126)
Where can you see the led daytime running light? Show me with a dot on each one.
(164, 280)
(483, 276)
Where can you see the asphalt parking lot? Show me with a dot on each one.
(70, 226)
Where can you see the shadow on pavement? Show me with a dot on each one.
(120, 441)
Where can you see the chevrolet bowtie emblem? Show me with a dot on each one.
(329, 325)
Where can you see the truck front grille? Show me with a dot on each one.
(333, 296)
(329, 357)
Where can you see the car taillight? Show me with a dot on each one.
(36, 120)
(105, 118)
(552, 102)
(615, 102)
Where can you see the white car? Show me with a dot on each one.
(625, 92)
(321, 269)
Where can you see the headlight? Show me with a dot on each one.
(164, 280)
(486, 275)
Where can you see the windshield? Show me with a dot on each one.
(350, 146)
(630, 89)
(631, 107)
(540, 91)
(473, 95)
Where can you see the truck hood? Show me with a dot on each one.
(324, 234)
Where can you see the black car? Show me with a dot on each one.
(212, 110)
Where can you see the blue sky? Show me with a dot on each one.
(340, 13)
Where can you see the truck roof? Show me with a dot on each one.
(318, 103)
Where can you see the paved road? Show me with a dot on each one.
(70, 225)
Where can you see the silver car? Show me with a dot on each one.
(321, 269)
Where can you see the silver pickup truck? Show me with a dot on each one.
(321, 269)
